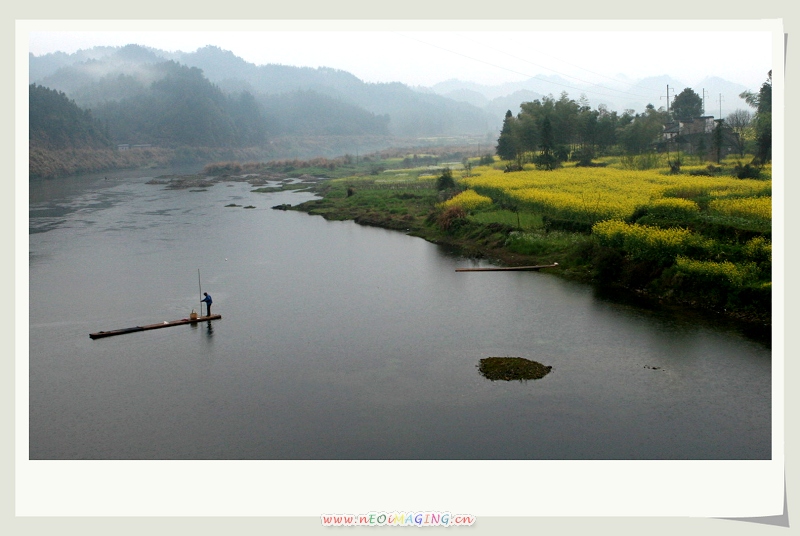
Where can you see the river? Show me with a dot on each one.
(344, 342)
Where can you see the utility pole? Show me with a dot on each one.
(704, 101)
(667, 98)
(720, 106)
(668, 160)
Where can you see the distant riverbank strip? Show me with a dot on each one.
(51, 163)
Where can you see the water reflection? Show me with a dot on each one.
(682, 317)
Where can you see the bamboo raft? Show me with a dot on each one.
(101, 334)
(508, 268)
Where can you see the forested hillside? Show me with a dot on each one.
(282, 100)
(181, 108)
(56, 122)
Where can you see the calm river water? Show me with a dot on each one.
(339, 341)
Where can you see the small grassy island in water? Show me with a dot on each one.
(512, 368)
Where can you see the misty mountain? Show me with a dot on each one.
(40, 67)
(307, 113)
(411, 113)
(94, 80)
(714, 87)
(117, 83)
(225, 68)
(469, 96)
(180, 108)
(618, 93)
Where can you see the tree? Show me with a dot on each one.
(762, 102)
(739, 122)
(606, 134)
(639, 135)
(687, 105)
(445, 181)
(508, 142)
(547, 159)
(587, 134)
(764, 122)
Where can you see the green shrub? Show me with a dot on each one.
(445, 181)
(746, 171)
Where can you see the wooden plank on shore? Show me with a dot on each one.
(111, 333)
(507, 268)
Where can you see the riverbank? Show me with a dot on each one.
(45, 163)
(506, 237)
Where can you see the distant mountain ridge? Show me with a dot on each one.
(616, 94)
(102, 75)
(94, 79)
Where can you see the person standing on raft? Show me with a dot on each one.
(207, 301)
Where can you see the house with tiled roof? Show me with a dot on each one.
(696, 136)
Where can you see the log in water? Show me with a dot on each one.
(507, 268)
(111, 333)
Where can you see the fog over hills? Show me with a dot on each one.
(110, 74)
(97, 77)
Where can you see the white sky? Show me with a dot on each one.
(420, 53)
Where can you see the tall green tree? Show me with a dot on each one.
(588, 131)
(687, 105)
(547, 159)
(762, 122)
(606, 134)
(508, 143)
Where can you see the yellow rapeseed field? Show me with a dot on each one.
(647, 242)
(468, 200)
(744, 207)
(593, 194)
(711, 271)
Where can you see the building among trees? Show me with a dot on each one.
(705, 136)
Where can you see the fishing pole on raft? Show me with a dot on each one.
(201, 291)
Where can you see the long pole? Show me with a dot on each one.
(201, 291)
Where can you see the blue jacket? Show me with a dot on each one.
(207, 299)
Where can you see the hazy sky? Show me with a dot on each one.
(420, 53)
